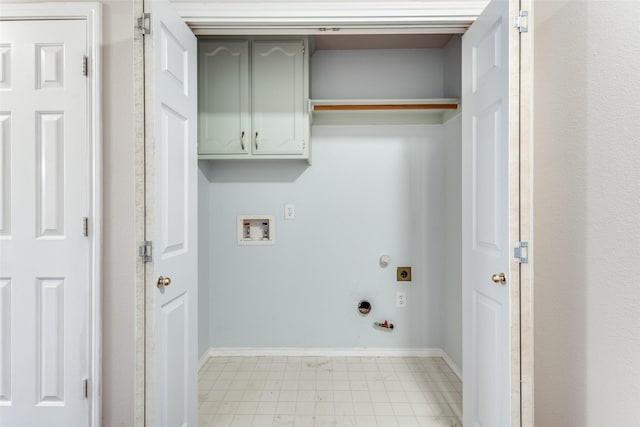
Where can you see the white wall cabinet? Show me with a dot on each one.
(253, 97)
(223, 110)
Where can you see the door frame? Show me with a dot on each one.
(369, 17)
(521, 214)
(522, 318)
(91, 13)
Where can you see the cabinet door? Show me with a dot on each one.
(224, 120)
(278, 97)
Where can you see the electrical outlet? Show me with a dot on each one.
(289, 211)
(401, 299)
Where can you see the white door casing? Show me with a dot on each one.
(240, 22)
(45, 191)
(485, 220)
(172, 181)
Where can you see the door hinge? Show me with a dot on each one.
(521, 252)
(522, 21)
(144, 24)
(145, 251)
(85, 65)
(85, 388)
(304, 49)
(85, 226)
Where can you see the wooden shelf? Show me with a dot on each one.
(386, 104)
(383, 111)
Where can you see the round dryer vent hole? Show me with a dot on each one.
(364, 307)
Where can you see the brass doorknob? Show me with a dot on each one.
(499, 278)
(163, 281)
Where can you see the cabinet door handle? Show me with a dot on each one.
(242, 140)
(256, 141)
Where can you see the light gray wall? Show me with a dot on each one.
(203, 257)
(377, 74)
(452, 63)
(372, 190)
(119, 246)
(452, 285)
(587, 211)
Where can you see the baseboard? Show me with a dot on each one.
(328, 352)
(456, 370)
(321, 352)
(204, 358)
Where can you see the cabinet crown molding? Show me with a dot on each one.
(310, 17)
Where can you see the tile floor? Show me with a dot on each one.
(329, 391)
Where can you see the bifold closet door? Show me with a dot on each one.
(172, 218)
(44, 196)
(486, 214)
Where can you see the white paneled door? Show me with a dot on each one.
(44, 196)
(173, 279)
(486, 248)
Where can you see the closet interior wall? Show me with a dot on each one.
(372, 190)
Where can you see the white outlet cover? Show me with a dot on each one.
(401, 299)
(289, 211)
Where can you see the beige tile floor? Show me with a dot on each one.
(329, 391)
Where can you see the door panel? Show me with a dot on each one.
(487, 346)
(173, 59)
(50, 174)
(44, 195)
(174, 147)
(5, 342)
(5, 66)
(487, 55)
(486, 192)
(50, 65)
(485, 228)
(176, 358)
(50, 341)
(172, 222)
(5, 174)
